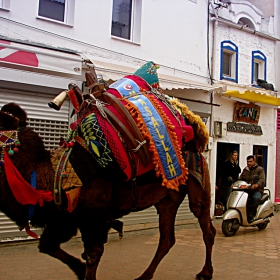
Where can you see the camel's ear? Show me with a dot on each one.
(12, 116)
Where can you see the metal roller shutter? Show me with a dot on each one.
(48, 123)
(149, 217)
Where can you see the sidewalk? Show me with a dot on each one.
(250, 255)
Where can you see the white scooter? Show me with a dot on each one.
(236, 215)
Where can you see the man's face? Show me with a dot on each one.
(250, 163)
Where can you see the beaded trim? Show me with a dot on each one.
(9, 141)
(9, 114)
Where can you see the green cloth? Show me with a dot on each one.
(148, 72)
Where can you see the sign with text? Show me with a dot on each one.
(244, 128)
(249, 113)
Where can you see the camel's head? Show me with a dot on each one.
(12, 117)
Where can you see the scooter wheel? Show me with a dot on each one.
(230, 227)
(262, 225)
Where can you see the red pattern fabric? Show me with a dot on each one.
(181, 130)
(22, 190)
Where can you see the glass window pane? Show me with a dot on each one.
(227, 64)
(53, 9)
(256, 71)
(121, 18)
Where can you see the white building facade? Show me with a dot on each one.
(116, 37)
(244, 50)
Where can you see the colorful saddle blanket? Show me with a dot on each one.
(65, 178)
(163, 129)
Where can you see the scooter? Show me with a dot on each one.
(236, 215)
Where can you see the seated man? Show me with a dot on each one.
(256, 192)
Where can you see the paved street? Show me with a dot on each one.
(250, 255)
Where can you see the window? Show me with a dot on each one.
(126, 19)
(260, 154)
(57, 10)
(229, 61)
(258, 66)
(5, 4)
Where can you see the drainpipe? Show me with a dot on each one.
(212, 153)
(214, 46)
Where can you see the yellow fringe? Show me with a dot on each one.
(171, 184)
(201, 134)
(174, 183)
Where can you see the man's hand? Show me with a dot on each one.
(254, 186)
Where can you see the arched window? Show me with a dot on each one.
(258, 66)
(246, 22)
(229, 61)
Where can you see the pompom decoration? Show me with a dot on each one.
(71, 144)
(17, 143)
(9, 142)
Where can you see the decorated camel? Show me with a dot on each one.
(131, 147)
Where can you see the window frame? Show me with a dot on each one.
(5, 5)
(135, 22)
(68, 13)
(232, 49)
(260, 58)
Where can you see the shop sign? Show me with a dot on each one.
(249, 113)
(244, 128)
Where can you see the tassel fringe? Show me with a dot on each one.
(201, 134)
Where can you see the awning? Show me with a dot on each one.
(254, 96)
(201, 109)
(173, 82)
(39, 59)
(114, 72)
(14, 76)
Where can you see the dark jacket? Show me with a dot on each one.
(247, 175)
(230, 169)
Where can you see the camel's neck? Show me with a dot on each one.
(31, 156)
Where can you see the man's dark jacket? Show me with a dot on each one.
(247, 176)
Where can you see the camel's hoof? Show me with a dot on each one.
(200, 276)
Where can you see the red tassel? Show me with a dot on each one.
(30, 232)
(23, 191)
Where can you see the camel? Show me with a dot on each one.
(104, 196)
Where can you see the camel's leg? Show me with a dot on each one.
(167, 210)
(50, 242)
(94, 236)
(199, 201)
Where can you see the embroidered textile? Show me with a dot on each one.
(162, 138)
(96, 142)
(65, 178)
(196, 164)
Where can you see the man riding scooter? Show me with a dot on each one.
(257, 188)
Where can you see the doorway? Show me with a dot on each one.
(223, 152)
(260, 153)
